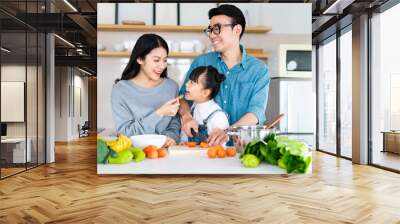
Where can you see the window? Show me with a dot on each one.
(22, 65)
(346, 94)
(327, 97)
(385, 89)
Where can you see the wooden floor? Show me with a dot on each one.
(387, 159)
(10, 171)
(70, 191)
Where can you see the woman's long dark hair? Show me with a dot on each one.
(144, 45)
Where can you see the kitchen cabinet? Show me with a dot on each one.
(169, 28)
(126, 54)
(191, 30)
(391, 141)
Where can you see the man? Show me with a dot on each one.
(243, 94)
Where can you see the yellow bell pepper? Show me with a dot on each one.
(120, 144)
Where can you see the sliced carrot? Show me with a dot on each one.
(162, 153)
(191, 144)
(152, 154)
(204, 145)
(211, 153)
(231, 152)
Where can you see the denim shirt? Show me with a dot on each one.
(245, 89)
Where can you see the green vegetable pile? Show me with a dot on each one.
(106, 154)
(289, 154)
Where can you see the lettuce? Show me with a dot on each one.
(102, 151)
(289, 154)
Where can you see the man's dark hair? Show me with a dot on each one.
(231, 11)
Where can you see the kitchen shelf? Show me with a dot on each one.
(169, 28)
(125, 54)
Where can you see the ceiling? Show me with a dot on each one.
(76, 22)
(332, 15)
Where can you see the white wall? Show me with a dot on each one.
(17, 73)
(283, 17)
(106, 13)
(79, 117)
(33, 126)
(62, 81)
(290, 18)
(14, 73)
(68, 80)
(166, 14)
(137, 11)
(195, 13)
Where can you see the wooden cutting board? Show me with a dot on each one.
(179, 148)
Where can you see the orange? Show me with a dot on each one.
(221, 153)
(152, 154)
(162, 153)
(231, 152)
(211, 153)
(219, 147)
(149, 148)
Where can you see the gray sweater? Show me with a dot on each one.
(134, 109)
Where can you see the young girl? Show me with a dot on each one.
(203, 85)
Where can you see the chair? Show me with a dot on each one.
(84, 130)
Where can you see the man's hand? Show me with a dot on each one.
(169, 142)
(189, 123)
(217, 137)
(247, 119)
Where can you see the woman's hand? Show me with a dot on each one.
(170, 108)
(169, 142)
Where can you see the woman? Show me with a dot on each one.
(144, 99)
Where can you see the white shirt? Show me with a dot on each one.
(203, 110)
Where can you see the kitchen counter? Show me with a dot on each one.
(187, 161)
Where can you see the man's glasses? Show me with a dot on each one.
(216, 29)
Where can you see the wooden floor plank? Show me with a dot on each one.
(70, 191)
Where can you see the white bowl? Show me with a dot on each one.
(118, 47)
(187, 46)
(101, 47)
(142, 141)
(129, 45)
